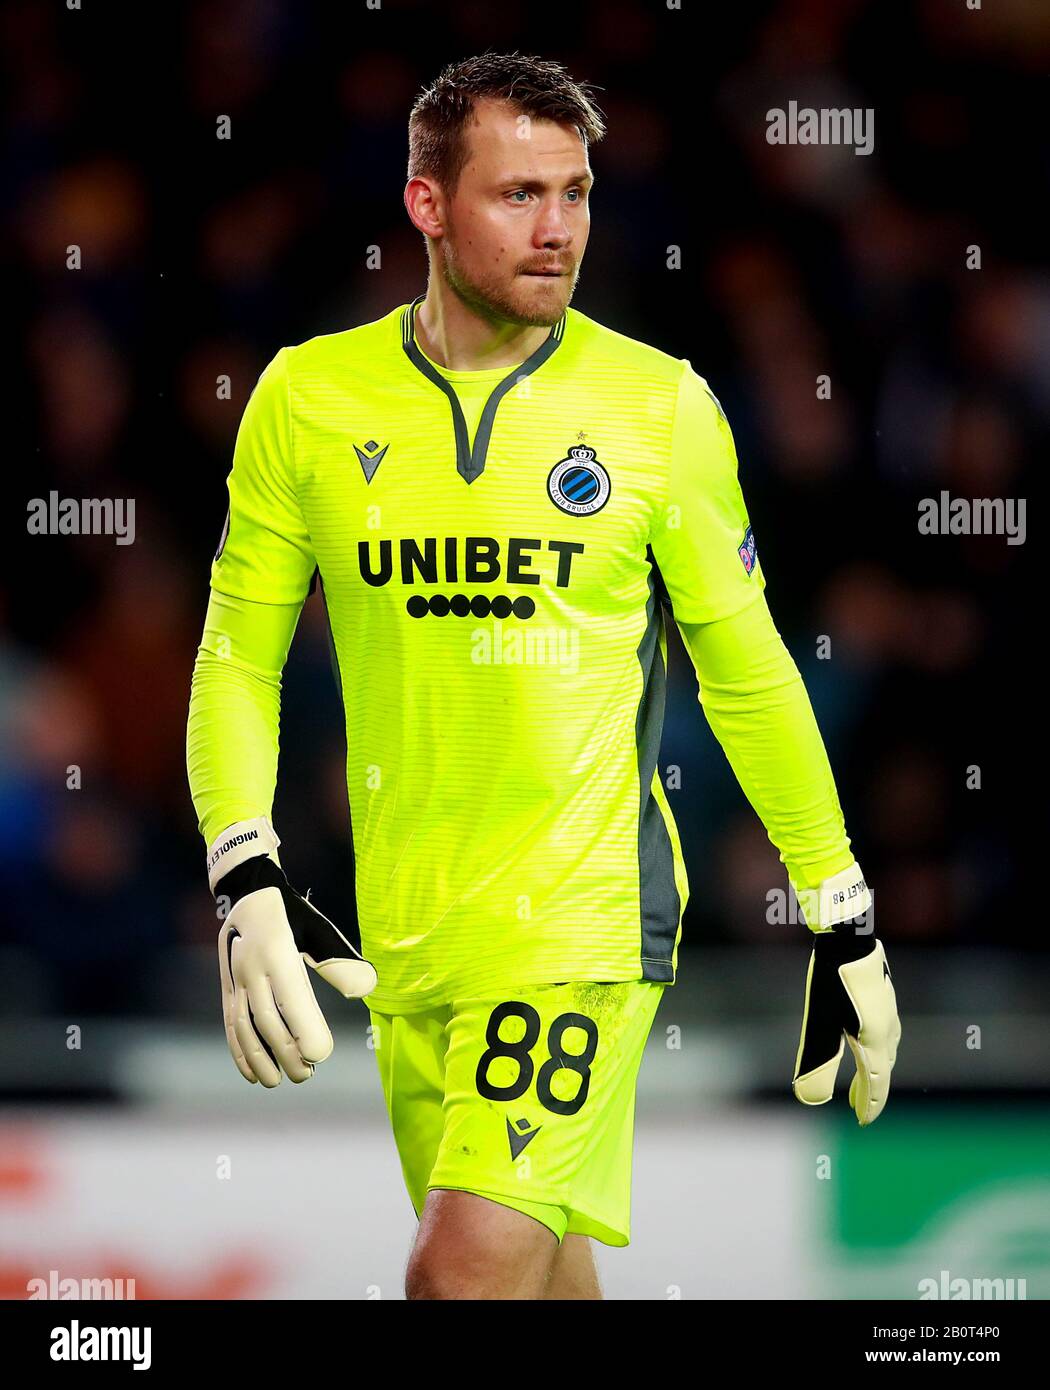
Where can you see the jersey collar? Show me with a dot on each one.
(471, 461)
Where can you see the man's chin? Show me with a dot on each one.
(541, 300)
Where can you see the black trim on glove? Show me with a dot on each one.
(311, 930)
(249, 877)
(847, 941)
(830, 1011)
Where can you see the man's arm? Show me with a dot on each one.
(758, 709)
(709, 577)
(260, 578)
(757, 706)
(235, 703)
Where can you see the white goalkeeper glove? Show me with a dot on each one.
(849, 999)
(273, 1020)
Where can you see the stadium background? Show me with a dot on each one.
(201, 258)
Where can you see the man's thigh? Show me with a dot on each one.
(468, 1246)
(410, 1053)
(539, 1102)
(526, 1099)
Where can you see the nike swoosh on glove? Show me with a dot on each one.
(270, 935)
(849, 999)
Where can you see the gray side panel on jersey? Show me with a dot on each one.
(658, 892)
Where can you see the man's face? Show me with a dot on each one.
(517, 224)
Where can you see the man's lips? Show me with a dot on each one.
(550, 271)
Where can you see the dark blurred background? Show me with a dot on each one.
(203, 257)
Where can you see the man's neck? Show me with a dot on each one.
(455, 336)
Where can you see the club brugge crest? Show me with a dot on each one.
(579, 484)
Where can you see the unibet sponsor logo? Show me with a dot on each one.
(467, 560)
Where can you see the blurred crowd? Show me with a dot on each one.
(201, 257)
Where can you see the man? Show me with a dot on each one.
(501, 498)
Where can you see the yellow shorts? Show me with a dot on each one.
(527, 1099)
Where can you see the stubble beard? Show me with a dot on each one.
(495, 300)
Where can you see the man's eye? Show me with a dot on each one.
(524, 193)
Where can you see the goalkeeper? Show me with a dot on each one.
(487, 482)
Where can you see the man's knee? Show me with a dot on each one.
(471, 1247)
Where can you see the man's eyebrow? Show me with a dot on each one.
(583, 176)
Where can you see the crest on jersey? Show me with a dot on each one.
(578, 484)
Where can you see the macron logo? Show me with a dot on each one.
(369, 459)
(520, 1136)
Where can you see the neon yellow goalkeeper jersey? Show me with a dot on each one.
(496, 570)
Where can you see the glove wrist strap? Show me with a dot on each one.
(841, 899)
(244, 840)
(249, 877)
(845, 942)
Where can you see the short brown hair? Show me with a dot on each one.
(536, 87)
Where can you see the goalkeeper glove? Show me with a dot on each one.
(273, 1020)
(849, 998)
